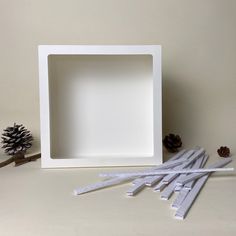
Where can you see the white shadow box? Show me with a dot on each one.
(100, 105)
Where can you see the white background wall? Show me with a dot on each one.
(199, 57)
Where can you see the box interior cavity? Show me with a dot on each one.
(101, 106)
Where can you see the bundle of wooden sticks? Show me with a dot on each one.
(183, 173)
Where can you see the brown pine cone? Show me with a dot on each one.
(172, 142)
(223, 151)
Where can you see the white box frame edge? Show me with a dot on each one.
(45, 50)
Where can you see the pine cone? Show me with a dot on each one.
(15, 139)
(223, 151)
(172, 142)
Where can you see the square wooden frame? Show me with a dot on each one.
(45, 51)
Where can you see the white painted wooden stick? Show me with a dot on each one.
(190, 198)
(187, 158)
(180, 198)
(193, 193)
(154, 179)
(187, 187)
(164, 172)
(202, 163)
(168, 191)
(194, 176)
(100, 185)
(167, 179)
(137, 187)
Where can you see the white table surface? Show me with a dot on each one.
(35, 201)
